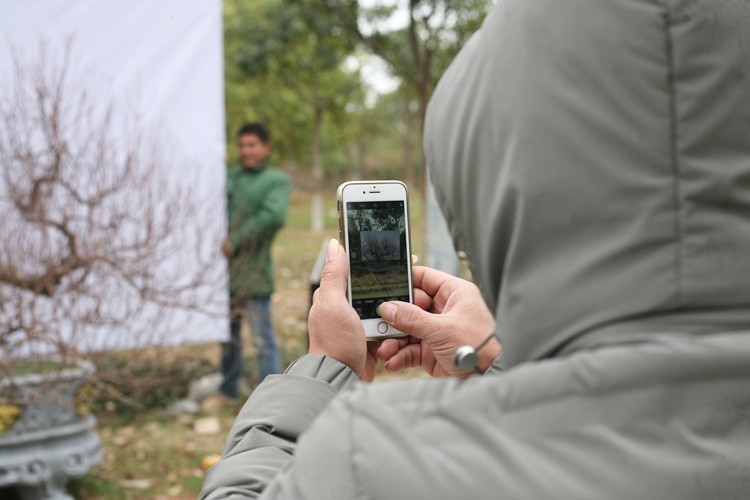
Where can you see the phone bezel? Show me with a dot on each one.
(383, 190)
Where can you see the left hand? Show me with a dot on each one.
(335, 328)
(448, 312)
(226, 249)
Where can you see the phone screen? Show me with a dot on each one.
(377, 254)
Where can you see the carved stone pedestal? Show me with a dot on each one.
(47, 435)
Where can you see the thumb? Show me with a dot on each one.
(409, 318)
(333, 278)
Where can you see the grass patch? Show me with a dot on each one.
(27, 367)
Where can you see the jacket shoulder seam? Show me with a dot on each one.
(676, 166)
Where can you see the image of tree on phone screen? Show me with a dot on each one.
(377, 242)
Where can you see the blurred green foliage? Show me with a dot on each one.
(295, 66)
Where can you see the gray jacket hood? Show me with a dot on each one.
(602, 188)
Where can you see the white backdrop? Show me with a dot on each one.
(162, 62)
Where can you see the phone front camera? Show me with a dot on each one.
(363, 192)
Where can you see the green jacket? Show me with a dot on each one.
(257, 201)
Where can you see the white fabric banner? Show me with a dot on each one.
(158, 67)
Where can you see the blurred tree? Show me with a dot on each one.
(419, 52)
(296, 54)
(386, 137)
(294, 65)
(259, 95)
(98, 235)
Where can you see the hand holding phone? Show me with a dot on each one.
(335, 329)
(374, 229)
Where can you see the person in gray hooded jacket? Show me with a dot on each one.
(592, 157)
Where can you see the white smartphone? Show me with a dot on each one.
(374, 229)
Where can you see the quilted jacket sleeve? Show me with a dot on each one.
(263, 438)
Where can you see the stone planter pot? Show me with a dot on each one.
(47, 434)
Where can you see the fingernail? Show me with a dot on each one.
(333, 249)
(387, 311)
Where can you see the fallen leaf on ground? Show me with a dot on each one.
(207, 426)
(139, 484)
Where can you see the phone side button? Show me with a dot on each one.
(382, 327)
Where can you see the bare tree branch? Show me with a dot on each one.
(100, 228)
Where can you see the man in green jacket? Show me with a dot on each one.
(257, 200)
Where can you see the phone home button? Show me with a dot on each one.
(382, 327)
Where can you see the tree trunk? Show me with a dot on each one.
(353, 171)
(362, 157)
(408, 151)
(423, 61)
(317, 222)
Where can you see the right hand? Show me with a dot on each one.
(448, 313)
